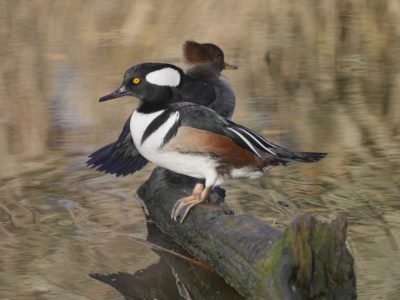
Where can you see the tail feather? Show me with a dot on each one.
(305, 157)
(252, 141)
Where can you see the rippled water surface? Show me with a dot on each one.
(313, 75)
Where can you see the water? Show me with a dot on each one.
(312, 76)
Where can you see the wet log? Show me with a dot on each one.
(309, 260)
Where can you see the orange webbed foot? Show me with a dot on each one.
(183, 206)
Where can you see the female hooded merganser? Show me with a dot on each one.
(206, 62)
(192, 139)
(203, 85)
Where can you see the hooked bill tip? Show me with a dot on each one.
(120, 92)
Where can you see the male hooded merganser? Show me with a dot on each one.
(204, 85)
(192, 139)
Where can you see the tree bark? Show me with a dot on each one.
(309, 260)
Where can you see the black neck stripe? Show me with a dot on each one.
(156, 123)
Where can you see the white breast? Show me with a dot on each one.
(184, 163)
(139, 124)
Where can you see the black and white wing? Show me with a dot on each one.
(120, 158)
(206, 119)
(259, 144)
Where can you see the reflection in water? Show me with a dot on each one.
(155, 282)
(169, 278)
(331, 83)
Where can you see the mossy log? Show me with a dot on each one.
(309, 260)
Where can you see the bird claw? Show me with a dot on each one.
(175, 209)
(183, 206)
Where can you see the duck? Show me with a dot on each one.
(205, 62)
(192, 139)
(204, 85)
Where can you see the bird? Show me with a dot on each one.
(193, 140)
(204, 85)
(205, 62)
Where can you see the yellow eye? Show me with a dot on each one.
(136, 80)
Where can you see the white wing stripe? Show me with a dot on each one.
(257, 136)
(258, 142)
(245, 140)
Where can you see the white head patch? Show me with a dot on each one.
(164, 77)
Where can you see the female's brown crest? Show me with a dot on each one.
(196, 53)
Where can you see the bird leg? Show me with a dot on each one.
(183, 206)
(198, 188)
